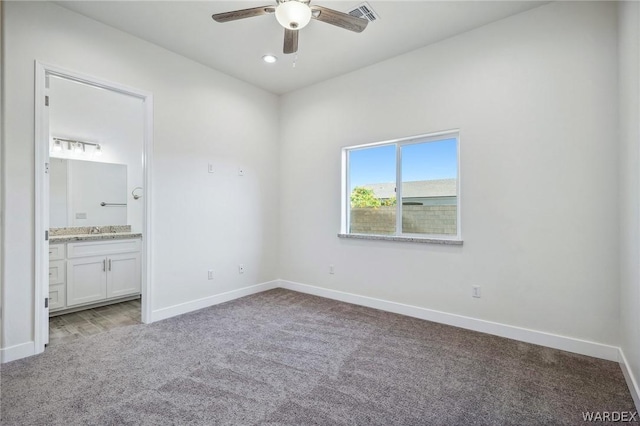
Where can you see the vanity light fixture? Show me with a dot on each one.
(76, 146)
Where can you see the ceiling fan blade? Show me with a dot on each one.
(290, 41)
(339, 19)
(244, 13)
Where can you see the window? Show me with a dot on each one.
(420, 171)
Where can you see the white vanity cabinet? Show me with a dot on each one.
(57, 277)
(102, 270)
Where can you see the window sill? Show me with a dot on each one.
(402, 239)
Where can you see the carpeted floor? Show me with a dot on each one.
(285, 358)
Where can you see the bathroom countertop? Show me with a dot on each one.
(53, 239)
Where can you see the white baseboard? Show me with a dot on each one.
(632, 383)
(569, 344)
(205, 302)
(12, 353)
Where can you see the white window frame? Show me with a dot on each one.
(399, 143)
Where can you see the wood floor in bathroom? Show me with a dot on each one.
(77, 325)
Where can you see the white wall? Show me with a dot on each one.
(629, 92)
(200, 221)
(535, 99)
(114, 120)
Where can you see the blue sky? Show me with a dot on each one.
(423, 161)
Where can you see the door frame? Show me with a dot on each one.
(41, 145)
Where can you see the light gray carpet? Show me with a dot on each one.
(285, 358)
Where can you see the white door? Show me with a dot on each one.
(123, 276)
(43, 162)
(86, 280)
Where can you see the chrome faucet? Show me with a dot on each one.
(94, 230)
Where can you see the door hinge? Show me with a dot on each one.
(46, 235)
(46, 101)
(46, 168)
(46, 302)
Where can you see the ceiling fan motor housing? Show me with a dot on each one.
(293, 14)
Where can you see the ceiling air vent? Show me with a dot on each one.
(364, 11)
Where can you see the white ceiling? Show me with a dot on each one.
(325, 51)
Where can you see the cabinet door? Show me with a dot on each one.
(86, 280)
(123, 276)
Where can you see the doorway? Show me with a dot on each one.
(93, 149)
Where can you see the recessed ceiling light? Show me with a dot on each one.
(270, 59)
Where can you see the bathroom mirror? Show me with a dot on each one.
(87, 193)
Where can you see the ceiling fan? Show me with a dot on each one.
(294, 15)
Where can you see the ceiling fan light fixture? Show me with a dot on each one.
(293, 15)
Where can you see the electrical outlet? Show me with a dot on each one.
(211, 169)
(475, 291)
(241, 269)
(210, 274)
(332, 270)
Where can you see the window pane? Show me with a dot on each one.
(372, 177)
(429, 188)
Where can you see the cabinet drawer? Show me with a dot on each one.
(98, 248)
(57, 297)
(57, 271)
(56, 251)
